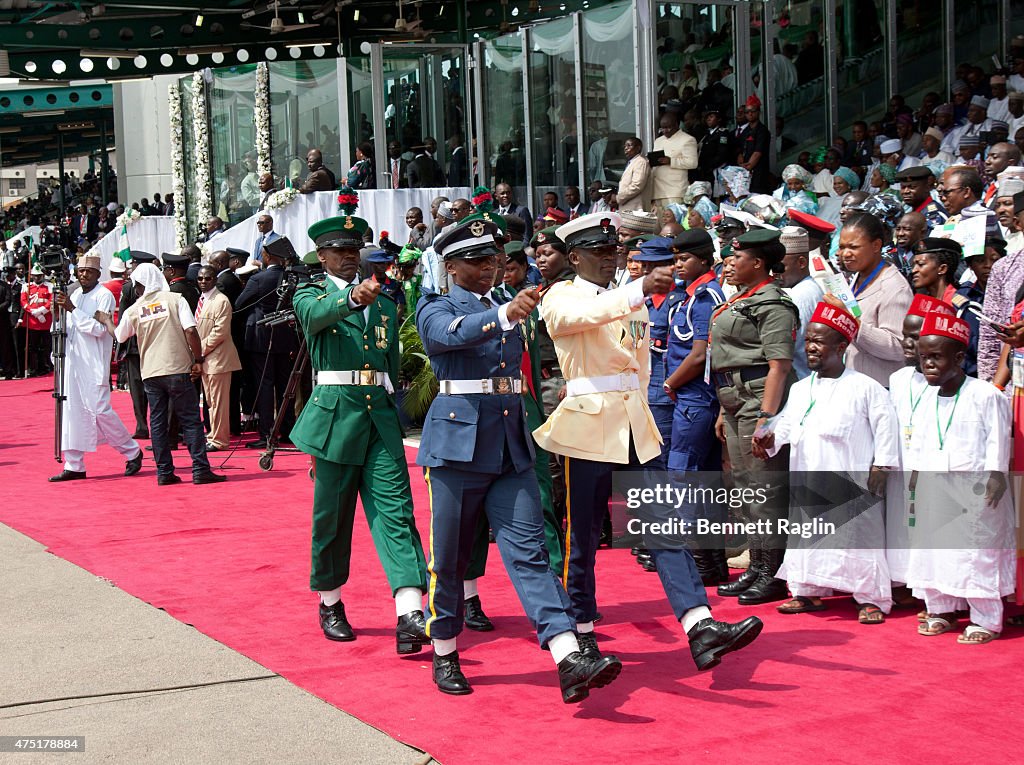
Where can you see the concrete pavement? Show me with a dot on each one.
(79, 657)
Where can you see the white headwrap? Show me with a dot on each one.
(149, 276)
(796, 172)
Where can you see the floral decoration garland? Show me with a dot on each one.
(261, 118)
(128, 217)
(178, 167)
(281, 198)
(201, 132)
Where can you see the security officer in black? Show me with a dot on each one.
(478, 459)
(271, 349)
(176, 271)
(715, 148)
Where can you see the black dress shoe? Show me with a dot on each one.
(578, 673)
(765, 589)
(67, 475)
(261, 444)
(334, 624)
(747, 578)
(710, 640)
(168, 480)
(475, 617)
(448, 675)
(411, 633)
(646, 561)
(134, 465)
(140, 434)
(209, 478)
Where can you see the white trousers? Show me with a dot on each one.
(985, 612)
(878, 598)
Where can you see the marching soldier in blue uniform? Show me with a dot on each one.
(694, 445)
(604, 424)
(657, 253)
(478, 458)
(350, 427)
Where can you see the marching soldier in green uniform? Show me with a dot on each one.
(350, 427)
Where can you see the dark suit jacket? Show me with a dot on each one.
(424, 172)
(403, 178)
(257, 300)
(458, 168)
(319, 180)
(91, 226)
(187, 290)
(230, 285)
(521, 211)
(584, 208)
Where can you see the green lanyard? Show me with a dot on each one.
(814, 376)
(913, 404)
(943, 433)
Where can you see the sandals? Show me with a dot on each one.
(800, 604)
(937, 624)
(975, 635)
(869, 613)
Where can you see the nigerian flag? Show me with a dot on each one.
(124, 251)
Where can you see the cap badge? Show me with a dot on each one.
(477, 228)
(349, 223)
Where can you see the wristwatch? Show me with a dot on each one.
(667, 387)
(763, 415)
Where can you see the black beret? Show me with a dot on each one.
(940, 244)
(920, 172)
(696, 240)
(235, 252)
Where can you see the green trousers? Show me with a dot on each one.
(382, 483)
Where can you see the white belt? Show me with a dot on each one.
(488, 385)
(604, 384)
(355, 377)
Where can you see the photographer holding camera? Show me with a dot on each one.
(88, 418)
(271, 347)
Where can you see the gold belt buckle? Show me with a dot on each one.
(367, 377)
(501, 385)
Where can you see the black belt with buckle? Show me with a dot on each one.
(724, 378)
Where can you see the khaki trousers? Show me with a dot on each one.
(217, 390)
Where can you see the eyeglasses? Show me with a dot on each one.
(946, 192)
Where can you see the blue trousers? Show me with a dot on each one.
(662, 407)
(588, 489)
(511, 502)
(178, 393)
(694, 444)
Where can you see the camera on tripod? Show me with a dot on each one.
(56, 263)
(295, 273)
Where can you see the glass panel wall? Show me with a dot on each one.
(976, 24)
(504, 128)
(551, 70)
(304, 115)
(801, 115)
(232, 98)
(860, 54)
(360, 101)
(919, 44)
(693, 40)
(609, 95)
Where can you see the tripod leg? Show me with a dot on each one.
(286, 401)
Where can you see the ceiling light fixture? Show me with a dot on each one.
(199, 20)
(99, 53)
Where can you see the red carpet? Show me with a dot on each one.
(232, 560)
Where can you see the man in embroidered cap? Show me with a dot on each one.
(1000, 156)
(89, 419)
(604, 424)
(857, 438)
(350, 428)
(476, 348)
(959, 491)
(997, 105)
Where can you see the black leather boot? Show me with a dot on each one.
(766, 588)
(707, 567)
(474, 616)
(448, 675)
(747, 578)
(578, 673)
(710, 640)
(334, 624)
(411, 633)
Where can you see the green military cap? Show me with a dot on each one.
(756, 237)
(513, 247)
(488, 217)
(341, 231)
(310, 258)
(549, 237)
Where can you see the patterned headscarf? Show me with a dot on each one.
(851, 178)
(737, 179)
(798, 173)
(696, 189)
(888, 172)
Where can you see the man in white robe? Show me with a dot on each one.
(907, 387)
(837, 421)
(89, 420)
(962, 525)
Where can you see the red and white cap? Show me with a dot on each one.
(922, 305)
(944, 325)
(838, 319)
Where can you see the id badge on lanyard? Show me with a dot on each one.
(1018, 369)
